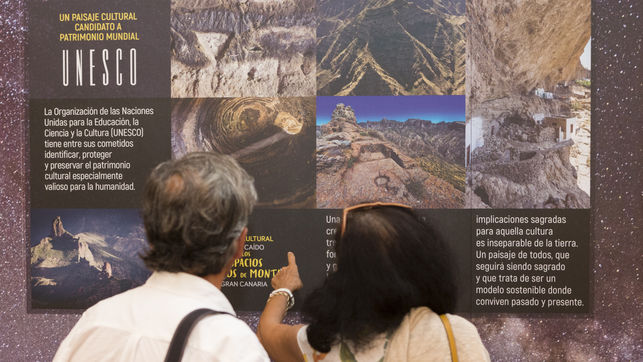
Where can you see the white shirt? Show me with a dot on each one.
(137, 325)
(425, 339)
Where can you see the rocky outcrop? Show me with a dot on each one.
(60, 248)
(523, 165)
(518, 159)
(342, 120)
(263, 48)
(76, 270)
(355, 164)
(85, 253)
(392, 47)
(57, 229)
(106, 271)
(514, 47)
(529, 179)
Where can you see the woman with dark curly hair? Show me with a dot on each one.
(387, 301)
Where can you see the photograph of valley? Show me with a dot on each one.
(272, 138)
(391, 149)
(390, 47)
(528, 118)
(79, 257)
(250, 48)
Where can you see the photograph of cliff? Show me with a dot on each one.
(79, 257)
(390, 47)
(529, 104)
(272, 138)
(249, 48)
(392, 149)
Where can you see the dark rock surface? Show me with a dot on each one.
(242, 48)
(268, 136)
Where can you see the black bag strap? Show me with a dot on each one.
(180, 337)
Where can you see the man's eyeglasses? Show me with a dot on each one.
(368, 205)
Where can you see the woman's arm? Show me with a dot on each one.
(280, 340)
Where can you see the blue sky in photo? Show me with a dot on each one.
(399, 108)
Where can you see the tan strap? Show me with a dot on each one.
(447, 327)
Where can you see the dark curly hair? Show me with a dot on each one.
(193, 209)
(388, 261)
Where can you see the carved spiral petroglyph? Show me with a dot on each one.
(272, 138)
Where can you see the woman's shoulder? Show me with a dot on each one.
(425, 317)
(460, 324)
(310, 354)
(343, 351)
(468, 342)
(302, 340)
(422, 334)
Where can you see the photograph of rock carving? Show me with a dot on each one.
(529, 104)
(249, 48)
(392, 149)
(390, 47)
(80, 257)
(272, 138)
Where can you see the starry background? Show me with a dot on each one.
(612, 332)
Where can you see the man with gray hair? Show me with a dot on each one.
(195, 212)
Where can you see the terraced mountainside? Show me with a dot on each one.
(390, 47)
(420, 137)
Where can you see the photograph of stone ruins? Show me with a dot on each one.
(272, 138)
(390, 47)
(248, 48)
(528, 110)
(92, 256)
(406, 158)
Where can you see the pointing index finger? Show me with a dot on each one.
(291, 258)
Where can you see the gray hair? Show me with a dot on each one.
(193, 210)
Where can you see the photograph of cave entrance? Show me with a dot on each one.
(528, 105)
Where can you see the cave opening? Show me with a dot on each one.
(527, 155)
(482, 193)
(518, 120)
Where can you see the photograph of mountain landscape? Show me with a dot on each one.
(251, 48)
(81, 256)
(529, 104)
(390, 47)
(272, 138)
(392, 149)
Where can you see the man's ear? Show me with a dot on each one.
(241, 242)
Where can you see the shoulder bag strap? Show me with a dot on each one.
(180, 337)
(447, 328)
